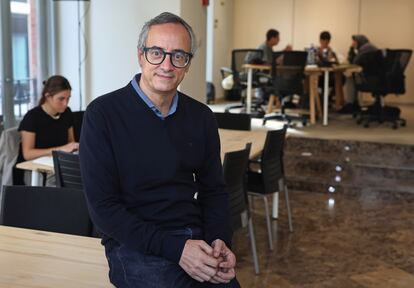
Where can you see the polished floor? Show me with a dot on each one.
(342, 239)
(339, 240)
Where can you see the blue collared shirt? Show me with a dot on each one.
(148, 101)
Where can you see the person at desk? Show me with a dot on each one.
(48, 126)
(152, 174)
(360, 46)
(326, 57)
(324, 53)
(272, 39)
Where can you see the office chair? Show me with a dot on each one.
(270, 177)
(234, 121)
(239, 57)
(234, 169)
(61, 210)
(67, 170)
(382, 74)
(68, 175)
(288, 74)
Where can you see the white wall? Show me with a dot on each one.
(66, 44)
(112, 29)
(194, 83)
(390, 24)
(222, 40)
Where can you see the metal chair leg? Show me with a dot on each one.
(269, 227)
(275, 205)
(288, 208)
(253, 245)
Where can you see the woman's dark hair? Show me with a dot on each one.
(53, 85)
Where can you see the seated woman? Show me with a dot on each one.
(48, 126)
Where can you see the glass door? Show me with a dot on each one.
(19, 60)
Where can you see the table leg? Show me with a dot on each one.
(272, 99)
(36, 178)
(249, 90)
(339, 93)
(312, 98)
(325, 97)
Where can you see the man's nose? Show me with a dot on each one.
(166, 64)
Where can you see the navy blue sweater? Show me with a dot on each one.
(141, 173)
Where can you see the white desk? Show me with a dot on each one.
(36, 169)
(32, 258)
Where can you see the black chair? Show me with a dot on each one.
(234, 169)
(67, 170)
(210, 93)
(382, 74)
(270, 178)
(61, 210)
(239, 57)
(77, 123)
(288, 75)
(235, 121)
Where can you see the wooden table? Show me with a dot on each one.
(32, 258)
(313, 72)
(36, 169)
(233, 140)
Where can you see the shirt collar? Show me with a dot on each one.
(148, 101)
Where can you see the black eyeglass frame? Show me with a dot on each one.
(146, 49)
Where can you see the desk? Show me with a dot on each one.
(32, 258)
(36, 169)
(313, 72)
(233, 140)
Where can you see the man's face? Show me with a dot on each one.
(164, 78)
(275, 40)
(324, 43)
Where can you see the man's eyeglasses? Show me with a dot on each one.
(156, 55)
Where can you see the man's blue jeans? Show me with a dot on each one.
(130, 268)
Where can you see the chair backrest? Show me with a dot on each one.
(373, 76)
(77, 123)
(396, 61)
(234, 169)
(67, 170)
(9, 151)
(239, 57)
(272, 159)
(235, 121)
(52, 209)
(288, 72)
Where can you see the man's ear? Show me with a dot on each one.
(140, 54)
(188, 67)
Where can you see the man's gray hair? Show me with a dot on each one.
(165, 18)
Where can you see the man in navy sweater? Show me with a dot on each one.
(150, 162)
